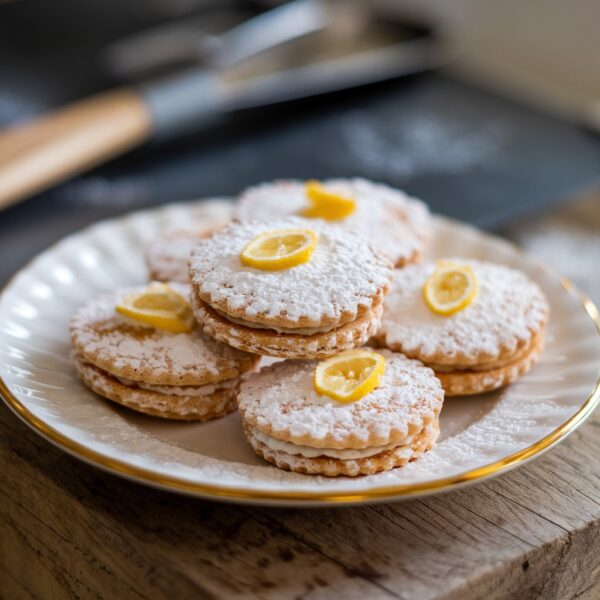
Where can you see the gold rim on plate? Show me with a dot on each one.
(387, 492)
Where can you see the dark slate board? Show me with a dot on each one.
(468, 153)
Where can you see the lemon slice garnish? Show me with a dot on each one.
(325, 204)
(159, 306)
(279, 249)
(450, 288)
(349, 376)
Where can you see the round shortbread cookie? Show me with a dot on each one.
(503, 320)
(334, 467)
(397, 224)
(168, 255)
(465, 383)
(521, 353)
(268, 342)
(280, 402)
(125, 349)
(157, 404)
(344, 278)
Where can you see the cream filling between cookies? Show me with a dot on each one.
(309, 452)
(298, 330)
(173, 390)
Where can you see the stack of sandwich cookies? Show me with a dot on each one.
(153, 359)
(168, 255)
(479, 325)
(397, 225)
(295, 288)
(293, 423)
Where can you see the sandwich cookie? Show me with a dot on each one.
(291, 289)
(306, 416)
(141, 348)
(397, 224)
(168, 255)
(478, 325)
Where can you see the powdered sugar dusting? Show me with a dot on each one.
(395, 223)
(168, 255)
(109, 341)
(419, 142)
(508, 309)
(344, 273)
(281, 402)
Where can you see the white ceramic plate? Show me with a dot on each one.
(481, 435)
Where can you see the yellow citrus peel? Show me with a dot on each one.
(158, 306)
(350, 375)
(325, 204)
(279, 249)
(450, 288)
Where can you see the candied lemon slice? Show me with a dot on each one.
(350, 375)
(325, 204)
(450, 288)
(279, 249)
(159, 306)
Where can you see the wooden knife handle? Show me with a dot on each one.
(47, 150)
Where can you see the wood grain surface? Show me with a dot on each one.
(68, 530)
(49, 149)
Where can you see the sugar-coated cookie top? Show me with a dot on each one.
(280, 401)
(508, 310)
(343, 275)
(117, 345)
(168, 255)
(397, 224)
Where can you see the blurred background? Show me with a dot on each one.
(487, 110)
